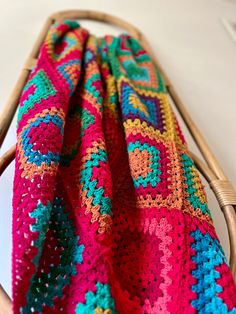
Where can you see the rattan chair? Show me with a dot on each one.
(209, 168)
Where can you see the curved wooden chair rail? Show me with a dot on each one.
(210, 169)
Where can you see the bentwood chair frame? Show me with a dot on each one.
(210, 168)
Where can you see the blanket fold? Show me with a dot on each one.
(109, 212)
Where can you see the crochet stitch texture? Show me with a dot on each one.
(109, 212)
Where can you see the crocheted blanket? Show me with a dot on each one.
(109, 212)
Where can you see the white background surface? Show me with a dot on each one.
(192, 45)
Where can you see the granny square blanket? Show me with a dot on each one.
(109, 212)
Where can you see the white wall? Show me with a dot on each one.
(191, 44)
